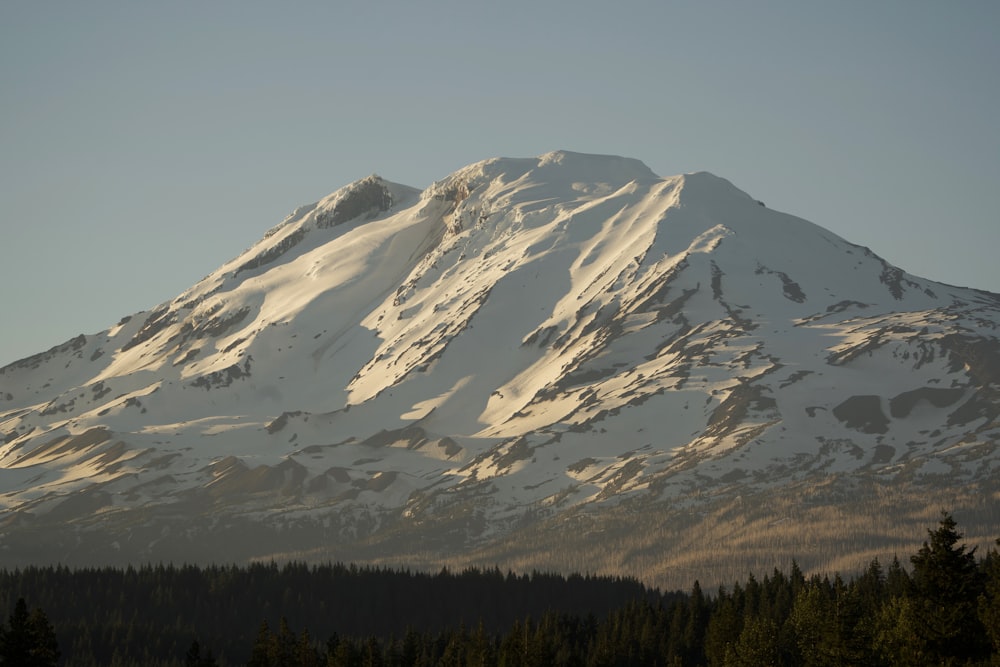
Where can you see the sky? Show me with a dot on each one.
(142, 145)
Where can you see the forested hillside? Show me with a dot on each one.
(943, 607)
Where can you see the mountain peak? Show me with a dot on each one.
(552, 176)
(707, 185)
(530, 344)
(596, 167)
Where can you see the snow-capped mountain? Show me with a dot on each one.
(557, 362)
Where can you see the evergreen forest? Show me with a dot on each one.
(941, 608)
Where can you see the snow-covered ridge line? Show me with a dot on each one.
(532, 337)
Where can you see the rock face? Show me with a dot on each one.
(564, 362)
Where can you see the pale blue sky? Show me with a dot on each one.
(144, 144)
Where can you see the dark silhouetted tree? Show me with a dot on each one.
(946, 588)
(29, 639)
(989, 600)
(194, 657)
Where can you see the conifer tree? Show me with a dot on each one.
(15, 640)
(30, 640)
(372, 653)
(259, 654)
(283, 645)
(695, 626)
(194, 657)
(989, 600)
(723, 629)
(897, 581)
(809, 621)
(897, 637)
(306, 654)
(757, 645)
(480, 652)
(946, 588)
(345, 655)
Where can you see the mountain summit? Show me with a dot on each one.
(563, 362)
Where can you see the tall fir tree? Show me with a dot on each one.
(29, 639)
(946, 588)
(989, 600)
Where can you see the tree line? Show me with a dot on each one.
(152, 615)
(944, 609)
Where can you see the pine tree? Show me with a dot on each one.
(410, 649)
(480, 652)
(897, 581)
(194, 657)
(306, 654)
(344, 655)
(454, 650)
(15, 640)
(757, 645)
(869, 593)
(809, 620)
(695, 626)
(897, 637)
(724, 627)
(989, 601)
(946, 588)
(259, 654)
(283, 645)
(371, 655)
(30, 640)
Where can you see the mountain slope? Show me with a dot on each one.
(558, 348)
